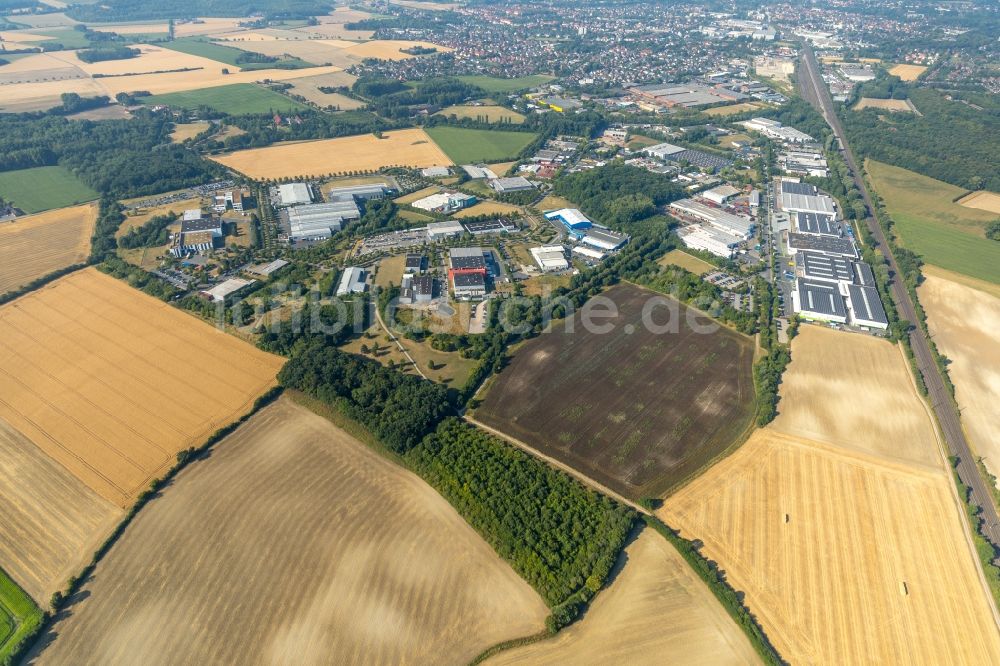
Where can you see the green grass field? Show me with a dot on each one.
(927, 222)
(18, 616)
(228, 55)
(472, 145)
(43, 188)
(494, 84)
(237, 99)
(69, 38)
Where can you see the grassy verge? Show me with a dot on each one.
(19, 618)
(985, 550)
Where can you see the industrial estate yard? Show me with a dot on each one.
(108, 350)
(637, 411)
(357, 557)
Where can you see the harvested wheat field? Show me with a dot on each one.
(408, 147)
(316, 51)
(184, 131)
(487, 208)
(131, 28)
(207, 26)
(988, 201)
(965, 323)
(907, 72)
(309, 87)
(854, 391)
(844, 558)
(294, 543)
(52, 522)
(36, 245)
(656, 611)
(389, 49)
(112, 383)
(903, 105)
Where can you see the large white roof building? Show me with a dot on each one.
(550, 257)
(293, 194)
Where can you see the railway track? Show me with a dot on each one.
(814, 90)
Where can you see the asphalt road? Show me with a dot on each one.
(814, 90)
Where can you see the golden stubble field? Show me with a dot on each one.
(656, 611)
(293, 543)
(902, 105)
(408, 147)
(847, 553)
(112, 383)
(33, 84)
(907, 72)
(854, 391)
(36, 245)
(52, 522)
(965, 323)
(988, 201)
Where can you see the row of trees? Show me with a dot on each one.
(154, 233)
(559, 536)
(103, 53)
(399, 409)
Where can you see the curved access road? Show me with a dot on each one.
(815, 91)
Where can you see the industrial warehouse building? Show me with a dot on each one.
(820, 300)
(831, 268)
(775, 130)
(220, 292)
(866, 307)
(467, 269)
(359, 192)
(416, 289)
(312, 222)
(550, 257)
(352, 281)
(497, 226)
(513, 184)
(668, 152)
(294, 194)
(444, 202)
(603, 238)
(571, 218)
(802, 197)
(816, 223)
(720, 195)
(710, 239)
(826, 244)
(439, 230)
(691, 210)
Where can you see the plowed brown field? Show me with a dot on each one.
(112, 383)
(656, 611)
(52, 523)
(36, 245)
(848, 550)
(295, 544)
(408, 147)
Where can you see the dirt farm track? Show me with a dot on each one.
(293, 543)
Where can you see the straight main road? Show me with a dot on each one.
(814, 90)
